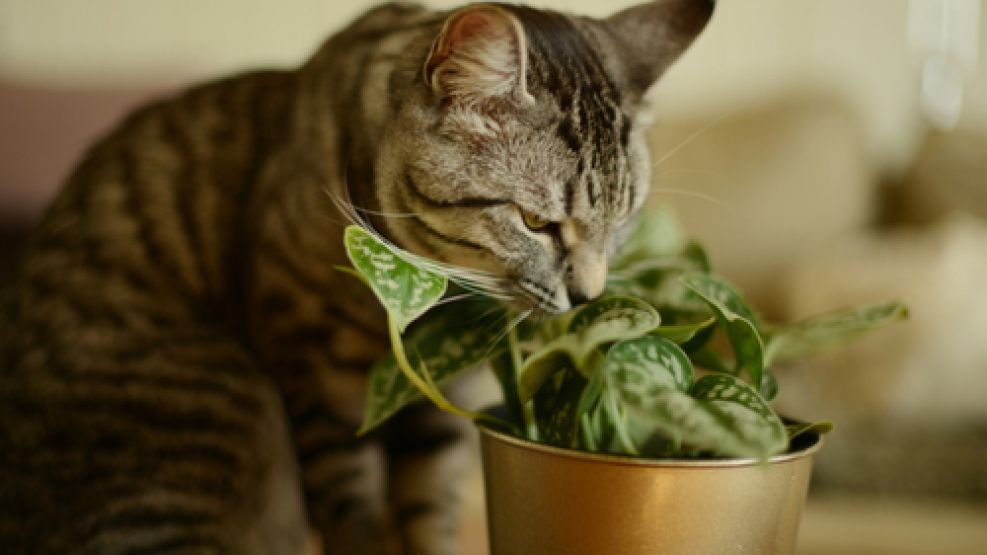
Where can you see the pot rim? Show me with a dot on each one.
(814, 438)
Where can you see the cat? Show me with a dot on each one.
(182, 369)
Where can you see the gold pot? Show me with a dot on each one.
(544, 500)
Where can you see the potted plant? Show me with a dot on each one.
(639, 423)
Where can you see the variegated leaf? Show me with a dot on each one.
(603, 321)
(405, 290)
(737, 320)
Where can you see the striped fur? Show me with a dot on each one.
(181, 367)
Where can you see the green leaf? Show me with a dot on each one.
(769, 385)
(641, 366)
(747, 424)
(614, 318)
(590, 429)
(503, 368)
(597, 428)
(683, 333)
(405, 290)
(737, 320)
(351, 271)
(556, 407)
(729, 389)
(702, 339)
(603, 321)
(796, 430)
(710, 359)
(695, 258)
(656, 281)
(829, 330)
(652, 259)
(718, 295)
(640, 414)
(656, 235)
(450, 340)
(715, 427)
(546, 361)
(632, 373)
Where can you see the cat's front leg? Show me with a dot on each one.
(429, 456)
(343, 477)
(319, 348)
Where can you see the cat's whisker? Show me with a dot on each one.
(470, 279)
(695, 135)
(385, 214)
(723, 177)
(516, 322)
(485, 317)
(513, 323)
(346, 208)
(477, 281)
(487, 290)
(347, 219)
(697, 195)
(486, 323)
(456, 298)
(491, 328)
(466, 278)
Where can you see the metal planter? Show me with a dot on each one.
(544, 500)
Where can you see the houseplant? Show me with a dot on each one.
(640, 423)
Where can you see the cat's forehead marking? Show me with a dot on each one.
(565, 66)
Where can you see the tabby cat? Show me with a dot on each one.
(182, 368)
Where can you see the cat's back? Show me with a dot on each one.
(156, 199)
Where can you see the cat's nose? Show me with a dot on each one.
(588, 278)
(579, 296)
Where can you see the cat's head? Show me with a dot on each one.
(520, 151)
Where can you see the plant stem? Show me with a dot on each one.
(427, 385)
(619, 425)
(586, 428)
(527, 409)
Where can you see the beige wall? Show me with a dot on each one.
(100, 41)
(754, 52)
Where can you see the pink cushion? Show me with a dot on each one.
(44, 132)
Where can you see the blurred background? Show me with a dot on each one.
(827, 152)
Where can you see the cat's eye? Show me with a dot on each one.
(534, 221)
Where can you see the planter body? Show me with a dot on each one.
(548, 501)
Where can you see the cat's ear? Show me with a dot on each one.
(479, 55)
(648, 38)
